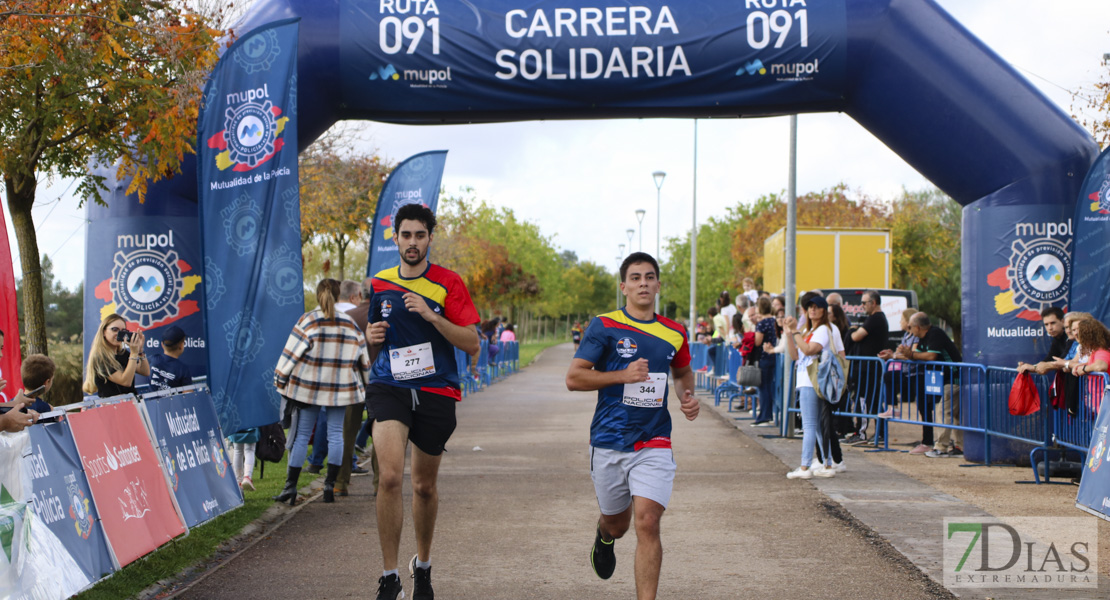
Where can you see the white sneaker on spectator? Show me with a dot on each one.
(823, 471)
(816, 464)
(800, 473)
(840, 467)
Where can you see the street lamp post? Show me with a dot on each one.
(631, 232)
(620, 257)
(640, 218)
(658, 176)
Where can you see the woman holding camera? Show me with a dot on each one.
(116, 356)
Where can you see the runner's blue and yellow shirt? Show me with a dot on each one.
(633, 416)
(415, 354)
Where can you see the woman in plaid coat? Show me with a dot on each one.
(324, 366)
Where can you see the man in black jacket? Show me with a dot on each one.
(1053, 319)
(865, 377)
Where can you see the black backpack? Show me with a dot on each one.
(271, 443)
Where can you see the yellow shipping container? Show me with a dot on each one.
(829, 258)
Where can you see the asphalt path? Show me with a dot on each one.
(517, 515)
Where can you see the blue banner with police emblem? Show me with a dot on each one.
(63, 501)
(415, 181)
(143, 262)
(190, 443)
(1021, 256)
(250, 220)
(1091, 282)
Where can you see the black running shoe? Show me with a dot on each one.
(422, 581)
(602, 558)
(389, 588)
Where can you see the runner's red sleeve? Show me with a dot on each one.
(459, 308)
(682, 357)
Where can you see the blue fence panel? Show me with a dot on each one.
(1074, 425)
(1034, 429)
(939, 394)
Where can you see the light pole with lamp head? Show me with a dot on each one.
(658, 176)
(620, 257)
(631, 232)
(640, 218)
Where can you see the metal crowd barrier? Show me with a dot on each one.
(941, 395)
(487, 372)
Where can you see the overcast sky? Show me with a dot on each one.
(582, 181)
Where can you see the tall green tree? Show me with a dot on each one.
(63, 307)
(926, 235)
(116, 81)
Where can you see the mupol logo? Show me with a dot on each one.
(384, 73)
(1052, 273)
(153, 283)
(752, 68)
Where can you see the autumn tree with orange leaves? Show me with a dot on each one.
(925, 239)
(1090, 107)
(115, 81)
(339, 193)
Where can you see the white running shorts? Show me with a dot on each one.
(618, 476)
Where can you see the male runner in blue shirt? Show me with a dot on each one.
(419, 314)
(625, 355)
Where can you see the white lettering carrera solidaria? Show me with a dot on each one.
(612, 21)
(591, 63)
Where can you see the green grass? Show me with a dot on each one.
(201, 543)
(529, 351)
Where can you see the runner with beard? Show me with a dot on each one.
(419, 314)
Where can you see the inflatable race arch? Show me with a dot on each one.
(904, 69)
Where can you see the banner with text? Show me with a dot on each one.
(143, 263)
(1090, 282)
(250, 221)
(63, 500)
(34, 562)
(188, 437)
(405, 58)
(126, 480)
(9, 318)
(415, 181)
(1023, 255)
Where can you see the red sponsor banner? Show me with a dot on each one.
(127, 482)
(9, 318)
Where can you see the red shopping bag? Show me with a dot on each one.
(1024, 399)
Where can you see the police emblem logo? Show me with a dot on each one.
(79, 510)
(170, 465)
(244, 338)
(387, 308)
(217, 454)
(291, 200)
(258, 52)
(395, 355)
(626, 347)
(1098, 451)
(1102, 206)
(242, 224)
(146, 285)
(1039, 271)
(284, 278)
(250, 130)
(214, 288)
